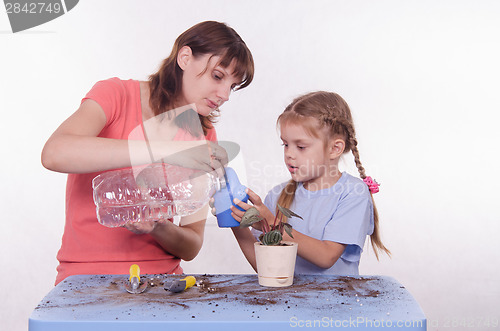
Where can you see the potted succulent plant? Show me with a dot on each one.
(275, 258)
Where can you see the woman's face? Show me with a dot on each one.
(205, 83)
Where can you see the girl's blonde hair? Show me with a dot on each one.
(332, 114)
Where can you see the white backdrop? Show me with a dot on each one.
(422, 80)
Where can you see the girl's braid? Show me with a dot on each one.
(355, 153)
(352, 144)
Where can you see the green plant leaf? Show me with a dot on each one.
(288, 213)
(250, 217)
(288, 229)
(271, 238)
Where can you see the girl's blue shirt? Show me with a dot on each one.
(342, 213)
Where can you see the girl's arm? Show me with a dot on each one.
(246, 242)
(75, 148)
(323, 253)
(243, 236)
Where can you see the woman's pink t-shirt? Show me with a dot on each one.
(87, 246)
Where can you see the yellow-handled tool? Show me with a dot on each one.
(181, 284)
(134, 286)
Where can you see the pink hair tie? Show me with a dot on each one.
(372, 184)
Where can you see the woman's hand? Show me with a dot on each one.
(206, 156)
(143, 227)
(183, 241)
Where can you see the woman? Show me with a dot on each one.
(173, 112)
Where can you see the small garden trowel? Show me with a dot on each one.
(134, 285)
(181, 284)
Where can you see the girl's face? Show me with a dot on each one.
(307, 159)
(205, 83)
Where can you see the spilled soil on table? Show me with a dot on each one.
(213, 289)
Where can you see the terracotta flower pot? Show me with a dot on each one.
(276, 264)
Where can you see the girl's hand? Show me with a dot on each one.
(257, 203)
(236, 213)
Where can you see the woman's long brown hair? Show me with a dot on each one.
(210, 37)
(332, 112)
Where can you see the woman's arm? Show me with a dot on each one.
(75, 148)
(183, 241)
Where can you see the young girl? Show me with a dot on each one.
(338, 209)
(108, 131)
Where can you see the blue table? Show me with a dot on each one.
(228, 302)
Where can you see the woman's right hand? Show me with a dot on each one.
(203, 155)
(76, 148)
